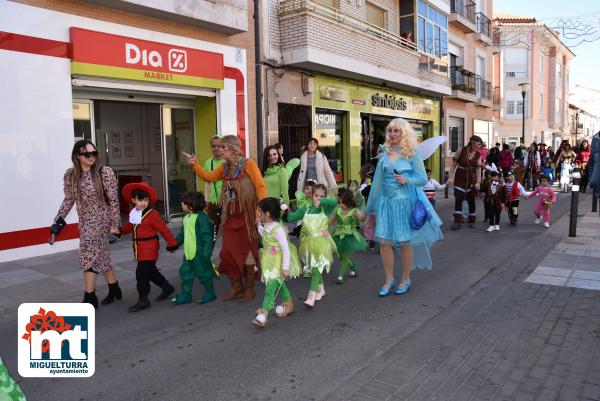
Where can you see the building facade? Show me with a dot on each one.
(584, 113)
(144, 80)
(340, 71)
(582, 124)
(530, 58)
(468, 110)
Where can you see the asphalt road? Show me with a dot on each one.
(212, 352)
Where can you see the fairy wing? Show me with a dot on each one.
(429, 146)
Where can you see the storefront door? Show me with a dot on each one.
(129, 137)
(178, 129)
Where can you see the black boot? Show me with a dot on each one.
(90, 298)
(167, 290)
(142, 304)
(114, 291)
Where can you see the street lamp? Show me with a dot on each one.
(524, 88)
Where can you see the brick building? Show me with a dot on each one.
(530, 57)
(468, 110)
(143, 79)
(340, 71)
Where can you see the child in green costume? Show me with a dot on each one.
(9, 390)
(346, 236)
(316, 245)
(278, 261)
(196, 236)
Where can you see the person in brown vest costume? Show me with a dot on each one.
(242, 188)
(465, 176)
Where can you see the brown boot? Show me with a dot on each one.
(235, 290)
(249, 291)
(472, 220)
(457, 221)
(286, 308)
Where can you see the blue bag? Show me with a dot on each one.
(420, 214)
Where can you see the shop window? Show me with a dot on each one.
(456, 127)
(329, 131)
(375, 15)
(82, 120)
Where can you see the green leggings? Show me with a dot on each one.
(316, 279)
(346, 263)
(271, 293)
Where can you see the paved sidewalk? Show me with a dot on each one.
(505, 339)
(574, 262)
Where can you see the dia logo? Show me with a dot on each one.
(56, 340)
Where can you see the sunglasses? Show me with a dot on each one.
(87, 155)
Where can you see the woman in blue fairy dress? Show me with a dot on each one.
(398, 184)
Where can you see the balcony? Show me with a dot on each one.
(323, 39)
(496, 41)
(484, 92)
(462, 14)
(464, 84)
(484, 26)
(496, 98)
(227, 17)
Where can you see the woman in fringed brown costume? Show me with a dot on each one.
(243, 187)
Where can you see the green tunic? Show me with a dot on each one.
(346, 237)
(271, 257)
(215, 187)
(316, 245)
(276, 179)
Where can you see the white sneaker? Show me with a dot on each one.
(490, 229)
(320, 293)
(496, 228)
(537, 221)
(310, 300)
(547, 225)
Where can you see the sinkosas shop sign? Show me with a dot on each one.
(389, 102)
(112, 56)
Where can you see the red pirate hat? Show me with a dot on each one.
(128, 189)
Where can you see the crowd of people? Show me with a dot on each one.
(393, 204)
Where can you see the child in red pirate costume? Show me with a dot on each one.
(514, 191)
(144, 225)
(495, 197)
(196, 236)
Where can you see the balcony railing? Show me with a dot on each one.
(484, 24)
(465, 8)
(496, 96)
(287, 7)
(484, 88)
(463, 80)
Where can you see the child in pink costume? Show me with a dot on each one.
(546, 197)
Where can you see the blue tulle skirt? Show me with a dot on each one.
(393, 226)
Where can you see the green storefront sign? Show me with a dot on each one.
(342, 109)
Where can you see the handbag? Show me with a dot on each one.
(420, 214)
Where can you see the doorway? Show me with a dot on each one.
(142, 142)
(373, 135)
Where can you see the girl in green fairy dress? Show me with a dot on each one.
(346, 237)
(278, 261)
(316, 245)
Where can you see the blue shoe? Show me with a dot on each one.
(384, 293)
(404, 289)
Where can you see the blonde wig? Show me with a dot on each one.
(408, 141)
(234, 144)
